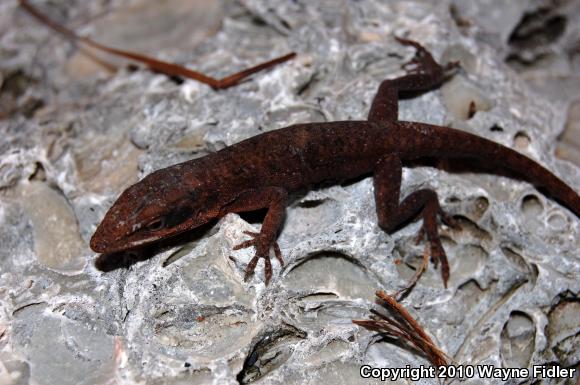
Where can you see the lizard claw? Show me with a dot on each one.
(262, 251)
(410, 42)
(452, 65)
(451, 68)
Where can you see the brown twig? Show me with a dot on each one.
(413, 281)
(405, 327)
(169, 69)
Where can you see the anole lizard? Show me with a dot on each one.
(262, 171)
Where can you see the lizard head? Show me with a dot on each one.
(163, 204)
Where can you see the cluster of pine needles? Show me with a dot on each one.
(400, 324)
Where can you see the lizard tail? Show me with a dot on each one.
(445, 142)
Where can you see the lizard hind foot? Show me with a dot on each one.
(262, 251)
(437, 251)
(447, 219)
(424, 63)
(430, 229)
(421, 62)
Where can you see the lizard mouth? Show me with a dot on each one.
(101, 246)
(103, 241)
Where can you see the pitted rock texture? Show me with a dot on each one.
(74, 135)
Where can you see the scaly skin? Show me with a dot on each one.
(262, 171)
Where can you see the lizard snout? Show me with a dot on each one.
(98, 244)
(102, 240)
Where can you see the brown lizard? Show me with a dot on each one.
(262, 171)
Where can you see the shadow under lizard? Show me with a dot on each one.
(264, 170)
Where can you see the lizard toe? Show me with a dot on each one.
(438, 255)
(449, 220)
(251, 267)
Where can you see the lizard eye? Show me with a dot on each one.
(156, 224)
(180, 215)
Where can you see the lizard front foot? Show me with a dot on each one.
(262, 245)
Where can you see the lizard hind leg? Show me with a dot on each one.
(392, 214)
(422, 73)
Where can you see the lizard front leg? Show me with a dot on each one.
(392, 214)
(422, 74)
(274, 199)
